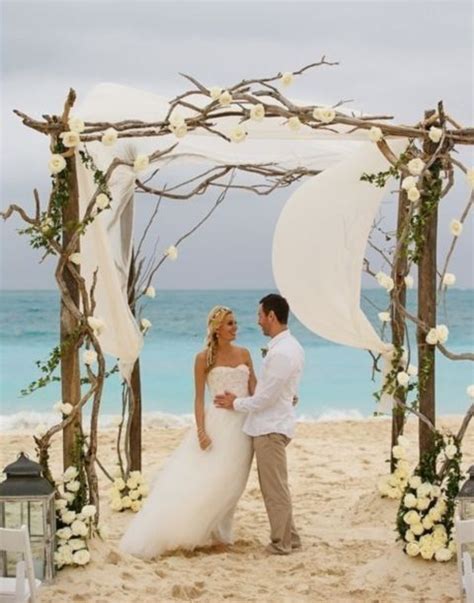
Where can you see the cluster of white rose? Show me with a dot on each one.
(128, 494)
(393, 485)
(77, 527)
(423, 505)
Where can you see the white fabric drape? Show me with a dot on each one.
(319, 241)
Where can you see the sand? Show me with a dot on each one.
(349, 552)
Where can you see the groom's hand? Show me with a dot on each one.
(225, 400)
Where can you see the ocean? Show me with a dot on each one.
(336, 384)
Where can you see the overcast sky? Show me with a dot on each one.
(396, 58)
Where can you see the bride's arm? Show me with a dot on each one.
(252, 377)
(199, 388)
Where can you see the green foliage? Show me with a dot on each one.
(380, 179)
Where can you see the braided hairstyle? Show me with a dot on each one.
(215, 319)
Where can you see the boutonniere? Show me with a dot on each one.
(264, 351)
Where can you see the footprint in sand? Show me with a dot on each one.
(181, 591)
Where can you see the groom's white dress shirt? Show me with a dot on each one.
(270, 409)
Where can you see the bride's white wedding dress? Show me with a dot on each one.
(193, 497)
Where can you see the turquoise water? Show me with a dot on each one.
(336, 383)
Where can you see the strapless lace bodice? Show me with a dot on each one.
(234, 379)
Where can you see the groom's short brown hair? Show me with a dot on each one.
(278, 304)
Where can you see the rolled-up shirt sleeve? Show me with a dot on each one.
(277, 371)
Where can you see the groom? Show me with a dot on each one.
(271, 419)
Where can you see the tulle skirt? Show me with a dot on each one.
(193, 497)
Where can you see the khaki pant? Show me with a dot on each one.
(270, 451)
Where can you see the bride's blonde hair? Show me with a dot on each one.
(215, 319)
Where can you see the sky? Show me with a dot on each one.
(396, 58)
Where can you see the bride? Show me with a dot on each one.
(193, 498)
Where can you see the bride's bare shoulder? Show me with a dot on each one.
(200, 358)
(244, 354)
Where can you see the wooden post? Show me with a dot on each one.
(135, 442)
(70, 369)
(398, 318)
(427, 314)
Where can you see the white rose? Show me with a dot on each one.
(119, 483)
(40, 430)
(449, 279)
(455, 227)
(46, 225)
(384, 316)
(427, 523)
(416, 166)
(413, 549)
(141, 163)
(132, 483)
(435, 134)
(102, 201)
(409, 182)
(136, 505)
(436, 491)
(143, 490)
(104, 532)
(257, 112)
(89, 357)
(68, 517)
(409, 536)
(324, 114)
(403, 378)
(417, 529)
(69, 496)
(150, 292)
(96, 324)
(424, 490)
(409, 501)
(394, 493)
(409, 282)
(422, 504)
(287, 78)
(415, 481)
(434, 515)
(89, 510)
(145, 324)
(176, 120)
(181, 131)
(401, 464)
(126, 502)
(443, 555)
(470, 391)
(73, 486)
(426, 551)
(375, 134)
(76, 124)
(470, 177)
(76, 544)
(411, 518)
(109, 137)
(65, 555)
(388, 284)
(56, 163)
(399, 452)
(79, 528)
(450, 451)
(81, 557)
(60, 504)
(64, 533)
(442, 333)
(413, 194)
(412, 370)
(432, 337)
(70, 473)
(70, 139)
(67, 408)
(294, 123)
(215, 92)
(238, 134)
(75, 258)
(116, 504)
(172, 252)
(134, 494)
(225, 98)
(136, 475)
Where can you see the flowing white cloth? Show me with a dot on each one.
(319, 245)
(193, 498)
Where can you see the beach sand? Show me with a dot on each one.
(349, 549)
